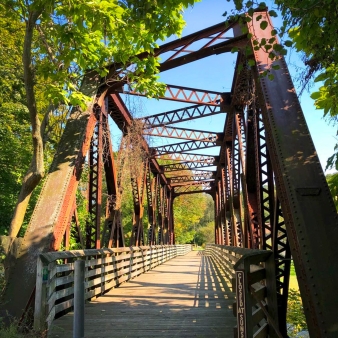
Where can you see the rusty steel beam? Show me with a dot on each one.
(168, 168)
(95, 185)
(281, 248)
(191, 177)
(188, 157)
(309, 212)
(192, 181)
(186, 95)
(183, 133)
(52, 212)
(176, 148)
(177, 45)
(179, 115)
(193, 186)
(205, 51)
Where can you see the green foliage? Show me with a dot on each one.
(332, 181)
(15, 137)
(206, 234)
(18, 330)
(74, 36)
(295, 314)
(188, 211)
(69, 38)
(15, 149)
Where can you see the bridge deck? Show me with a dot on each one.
(184, 297)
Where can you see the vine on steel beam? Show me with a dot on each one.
(112, 235)
(138, 188)
(151, 184)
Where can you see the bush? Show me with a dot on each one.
(295, 315)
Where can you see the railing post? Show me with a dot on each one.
(244, 306)
(40, 313)
(79, 299)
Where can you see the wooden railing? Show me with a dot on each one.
(104, 269)
(252, 273)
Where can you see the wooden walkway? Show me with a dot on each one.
(184, 297)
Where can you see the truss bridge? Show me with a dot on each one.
(271, 200)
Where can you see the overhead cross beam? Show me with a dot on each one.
(187, 157)
(193, 177)
(183, 133)
(184, 146)
(187, 95)
(187, 166)
(176, 53)
(180, 115)
(193, 187)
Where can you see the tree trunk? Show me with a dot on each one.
(36, 169)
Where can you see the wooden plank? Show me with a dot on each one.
(183, 297)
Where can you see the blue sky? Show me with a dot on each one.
(215, 73)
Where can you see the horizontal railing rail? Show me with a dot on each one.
(104, 269)
(252, 273)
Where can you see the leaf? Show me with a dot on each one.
(288, 43)
(271, 77)
(315, 95)
(321, 77)
(273, 13)
(263, 25)
(262, 5)
(234, 50)
(251, 63)
(259, 17)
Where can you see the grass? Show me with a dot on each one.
(293, 278)
(18, 330)
(197, 248)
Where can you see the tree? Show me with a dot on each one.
(15, 141)
(188, 211)
(63, 39)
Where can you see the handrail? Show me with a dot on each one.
(104, 269)
(253, 278)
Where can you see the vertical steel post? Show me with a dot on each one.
(79, 299)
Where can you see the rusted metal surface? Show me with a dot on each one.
(187, 95)
(179, 115)
(93, 231)
(310, 219)
(183, 133)
(52, 212)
